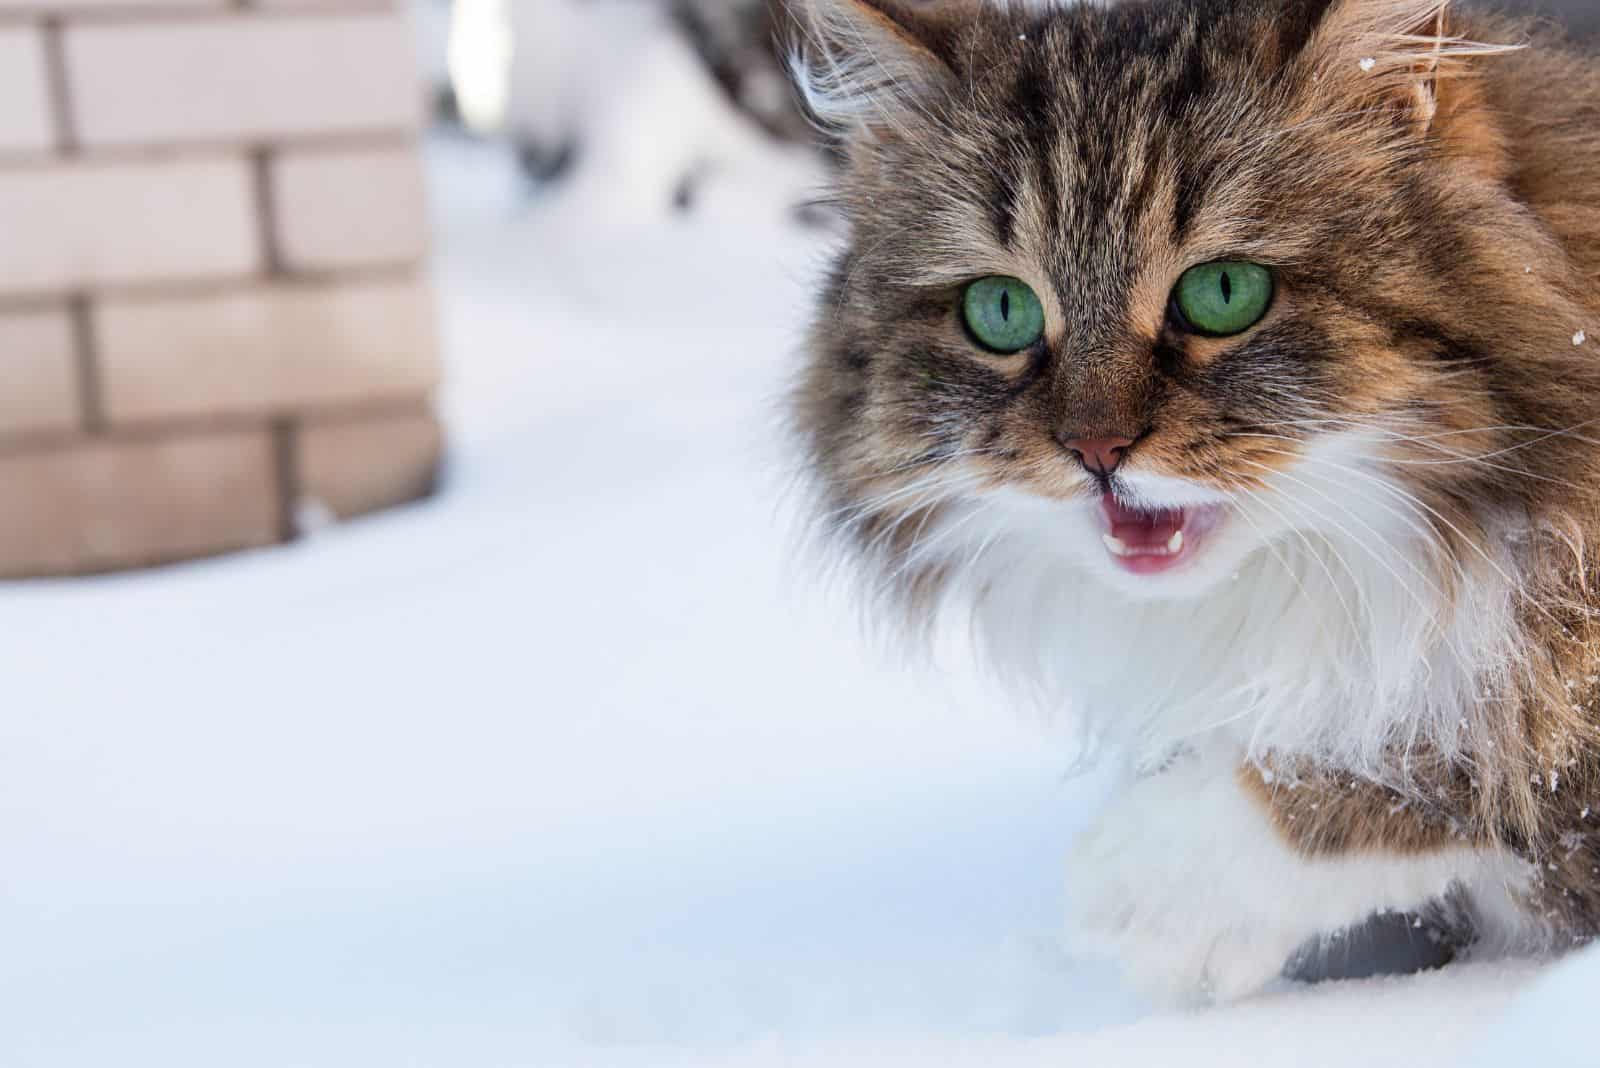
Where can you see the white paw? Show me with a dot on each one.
(1163, 890)
(1186, 883)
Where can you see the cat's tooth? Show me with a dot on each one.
(1175, 543)
(1117, 546)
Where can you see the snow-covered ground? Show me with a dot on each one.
(575, 764)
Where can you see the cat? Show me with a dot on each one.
(1233, 366)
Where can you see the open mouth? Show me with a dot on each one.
(1152, 542)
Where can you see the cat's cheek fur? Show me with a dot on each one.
(1187, 883)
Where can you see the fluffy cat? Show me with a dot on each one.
(1235, 365)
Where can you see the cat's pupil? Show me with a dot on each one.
(1227, 288)
(1005, 306)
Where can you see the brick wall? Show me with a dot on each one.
(213, 317)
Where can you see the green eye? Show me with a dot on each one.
(1003, 314)
(1224, 298)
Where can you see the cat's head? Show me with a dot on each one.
(1162, 283)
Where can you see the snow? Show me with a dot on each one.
(1549, 1023)
(574, 764)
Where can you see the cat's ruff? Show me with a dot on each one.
(1335, 644)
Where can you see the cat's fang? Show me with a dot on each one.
(1119, 548)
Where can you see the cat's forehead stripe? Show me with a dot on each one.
(1085, 160)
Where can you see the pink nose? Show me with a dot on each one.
(1100, 455)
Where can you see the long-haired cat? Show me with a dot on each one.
(1236, 365)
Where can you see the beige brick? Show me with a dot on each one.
(106, 223)
(325, 5)
(353, 467)
(268, 349)
(38, 363)
(243, 76)
(73, 7)
(108, 503)
(349, 209)
(25, 123)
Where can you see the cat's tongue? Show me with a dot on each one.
(1144, 542)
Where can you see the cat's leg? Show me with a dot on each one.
(1500, 904)
(1190, 883)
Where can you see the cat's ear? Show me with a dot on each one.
(866, 65)
(1408, 53)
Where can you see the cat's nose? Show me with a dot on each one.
(1100, 456)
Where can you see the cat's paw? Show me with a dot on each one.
(1188, 884)
(1171, 885)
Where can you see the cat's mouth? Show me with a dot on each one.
(1146, 541)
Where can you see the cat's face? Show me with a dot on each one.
(1159, 284)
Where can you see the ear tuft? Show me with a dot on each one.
(1402, 50)
(865, 65)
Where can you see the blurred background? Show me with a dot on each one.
(409, 660)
